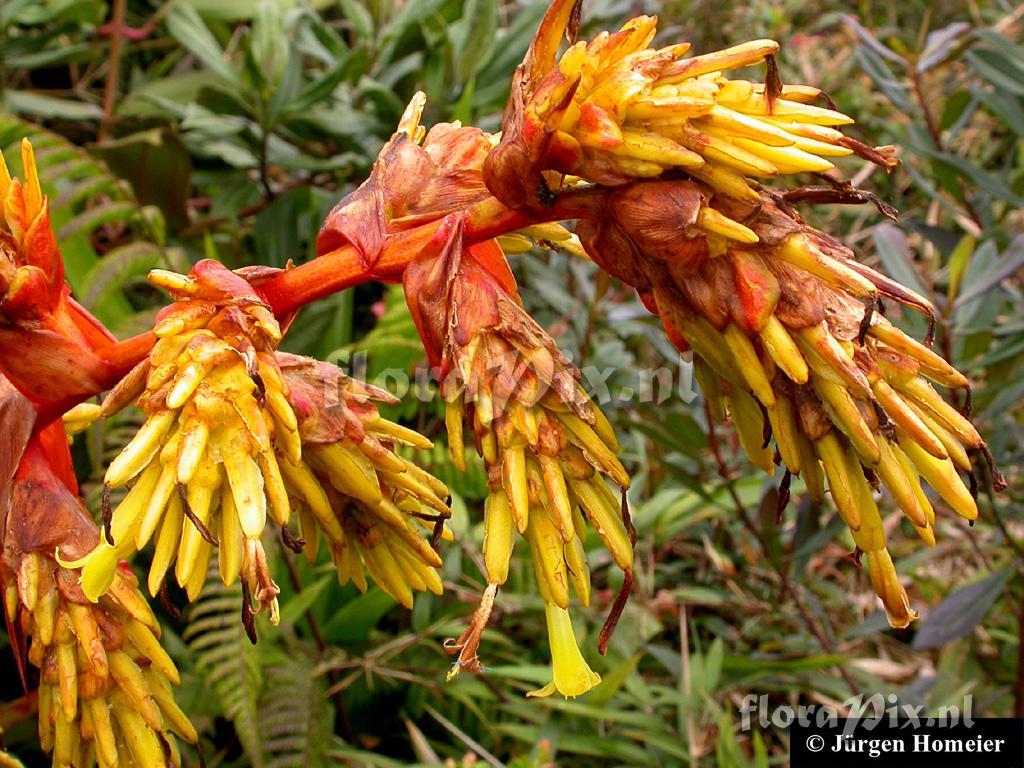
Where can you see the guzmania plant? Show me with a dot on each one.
(658, 167)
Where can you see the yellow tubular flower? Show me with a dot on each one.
(572, 676)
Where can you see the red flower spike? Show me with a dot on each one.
(36, 309)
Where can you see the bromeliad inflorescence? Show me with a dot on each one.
(675, 176)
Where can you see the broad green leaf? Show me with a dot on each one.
(112, 273)
(959, 613)
(297, 605)
(93, 218)
(358, 617)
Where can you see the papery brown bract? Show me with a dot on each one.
(410, 185)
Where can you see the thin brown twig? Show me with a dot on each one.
(113, 67)
(788, 589)
(211, 222)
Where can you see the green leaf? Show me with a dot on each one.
(322, 88)
(298, 604)
(1011, 260)
(959, 261)
(269, 45)
(885, 79)
(112, 273)
(894, 252)
(940, 44)
(1000, 72)
(41, 105)
(959, 613)
(187, 27)
(763, 665)
(986, 180)
(157, 165)
(871, 42)
(354, 622)
(295, 716)
(228, 662)
(408, 18)
(360, 19)
(473, 37)
(52, 56)
(612, 681)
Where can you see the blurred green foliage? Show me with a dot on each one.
(230, 127)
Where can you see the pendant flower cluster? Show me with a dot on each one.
(105, 682)
(236, 431)
(548, 450)
(612, 110)
(350, 486)
(787, 343)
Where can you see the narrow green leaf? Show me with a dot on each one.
(360, 19)
(894, 252)
(187, 27)
(41, 105)
(298, 604)
(959, 613)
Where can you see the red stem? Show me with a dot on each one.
(344, 268)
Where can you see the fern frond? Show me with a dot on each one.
(296, 717)
(228, 662)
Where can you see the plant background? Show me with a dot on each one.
(228, 128)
